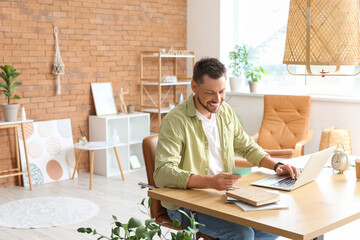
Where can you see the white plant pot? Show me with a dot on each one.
(253, 86)
(236, 84)
(10, 111)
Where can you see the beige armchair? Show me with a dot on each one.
(285, 127)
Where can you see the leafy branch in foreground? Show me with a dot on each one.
(134, 229)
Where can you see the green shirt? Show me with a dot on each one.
(183, 150)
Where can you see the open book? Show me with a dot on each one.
(254, 196)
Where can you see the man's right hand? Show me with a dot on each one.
(224, 181)
(221, 181)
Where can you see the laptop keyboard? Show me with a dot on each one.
(285, 183)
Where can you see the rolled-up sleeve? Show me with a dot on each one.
(168, 157)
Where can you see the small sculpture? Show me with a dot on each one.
(122, 102)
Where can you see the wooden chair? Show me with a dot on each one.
(156, 210)
(285, 127)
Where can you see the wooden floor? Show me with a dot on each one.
(114, 197)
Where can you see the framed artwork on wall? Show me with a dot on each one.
(103, 98)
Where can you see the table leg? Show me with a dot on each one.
(26, 156)
(119, 163)
(319, 238)
(77, 163)
(18, 165)
(91, 167)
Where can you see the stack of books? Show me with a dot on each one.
(255, 199)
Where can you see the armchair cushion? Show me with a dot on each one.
(285, 122)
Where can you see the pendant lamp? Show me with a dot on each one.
(323, 33)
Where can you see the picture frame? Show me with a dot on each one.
(103, 98)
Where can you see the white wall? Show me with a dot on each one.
(325, 112)
(203, 28)
(210, 29)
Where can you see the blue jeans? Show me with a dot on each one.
(224, 230)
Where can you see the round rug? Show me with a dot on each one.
(46, 212)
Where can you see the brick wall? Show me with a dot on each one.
(100, 41)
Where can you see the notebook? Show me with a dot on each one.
(310, 172)
(254, 196)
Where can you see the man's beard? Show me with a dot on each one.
(204, 106)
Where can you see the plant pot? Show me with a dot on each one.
(10, 111)
(236, 84)
(253, 86)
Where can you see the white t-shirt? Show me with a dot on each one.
(212, 133)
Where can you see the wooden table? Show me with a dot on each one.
(92, 146)
(331, 201)
(17, 171)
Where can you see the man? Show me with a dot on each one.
(197, 142)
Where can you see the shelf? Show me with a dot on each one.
(136, 141)
(164, 55)
(166, 84)
(121, 115)
(155, 110)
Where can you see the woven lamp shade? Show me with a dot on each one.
(323, 32)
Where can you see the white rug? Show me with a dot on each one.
(46, 212)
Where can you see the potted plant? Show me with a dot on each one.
(254, 74)
(10, 110)
(239, 64)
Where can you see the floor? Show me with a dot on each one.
(114, 197)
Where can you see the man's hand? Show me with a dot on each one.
(224, 181)
(288, 169)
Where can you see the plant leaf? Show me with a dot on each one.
(142, 202)
(176, 223)
(15, 97)
(81, 230)
(116, 231)
(149, 221)
(114, 217)
(152, 233)
(134, 223)
(149, 202)
(140, 231)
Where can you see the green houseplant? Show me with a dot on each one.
(134, 229)
(239, 64)
(254, 74)
(9, 85)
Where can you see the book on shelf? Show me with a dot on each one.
(254, 196)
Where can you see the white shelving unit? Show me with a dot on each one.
(131, 128)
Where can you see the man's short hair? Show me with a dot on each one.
(208, 66)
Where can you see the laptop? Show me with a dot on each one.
(310, 172)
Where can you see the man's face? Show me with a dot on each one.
(209, 95)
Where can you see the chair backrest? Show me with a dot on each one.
(285, 121)
(149, 149)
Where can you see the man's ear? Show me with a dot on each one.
(194, 86)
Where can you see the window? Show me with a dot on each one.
(261, 26)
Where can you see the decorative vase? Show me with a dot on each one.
(115, 137)
(253, 86)
(10, 111)
(23, 114)
(236, 84)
